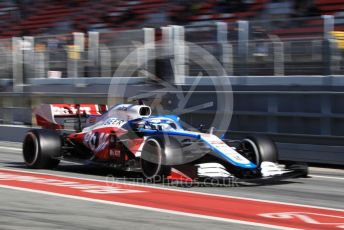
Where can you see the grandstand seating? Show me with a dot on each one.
(120, 14)
(314, 26)
(43, 17)
(330, 6)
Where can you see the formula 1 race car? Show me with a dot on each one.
(127, 137)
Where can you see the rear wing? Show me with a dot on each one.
(67, 116)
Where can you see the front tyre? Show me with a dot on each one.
(41, 148)
(152, 158)
(258, 149)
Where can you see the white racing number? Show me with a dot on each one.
(96, 141)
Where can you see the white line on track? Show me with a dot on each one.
(327, 177)
(10, 148)
(148, 208)
(185, 191)
(15, 126)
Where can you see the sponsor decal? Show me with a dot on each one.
(217, 143)
(114, 122)
(65, 109)
(122, 108)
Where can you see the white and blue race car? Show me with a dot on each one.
(128, 137)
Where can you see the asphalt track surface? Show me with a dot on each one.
(28, 210)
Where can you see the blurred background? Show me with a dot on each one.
(284, 59)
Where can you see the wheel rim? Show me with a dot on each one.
(151, 159)
(30, 149)
(251, 151)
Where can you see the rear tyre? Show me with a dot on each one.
(152, 158)
(258, 149)
(41, 148)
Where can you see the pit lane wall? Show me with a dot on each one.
(303, 114)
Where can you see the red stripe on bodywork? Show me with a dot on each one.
(285, 215)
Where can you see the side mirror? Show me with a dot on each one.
(201, 128)
(211, 130)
